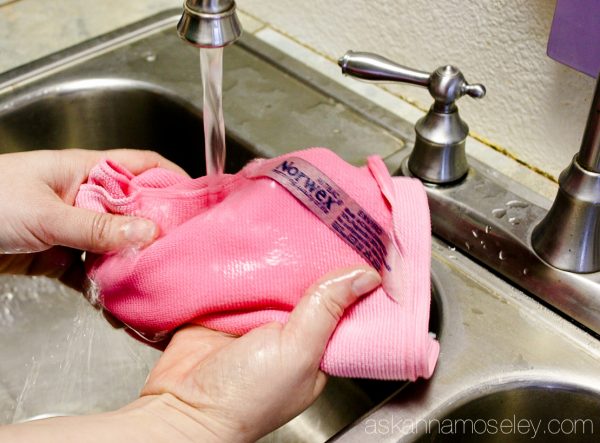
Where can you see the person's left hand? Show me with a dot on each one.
(42, 233)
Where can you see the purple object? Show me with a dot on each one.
(575, 35)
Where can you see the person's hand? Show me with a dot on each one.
(212, 387)
(42, 233)
(238, 389)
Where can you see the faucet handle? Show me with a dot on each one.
(475, 90)
(439, 152)
(446, 84)
(373, 67)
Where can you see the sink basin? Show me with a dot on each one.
(503, 357)
(103, 113)
(502, 352)
(550, 413)
(60, 357)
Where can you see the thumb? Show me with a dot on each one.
(98, 232)
(317, 314)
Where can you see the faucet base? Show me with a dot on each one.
(569, 236)
(439, 154)
(484, 219)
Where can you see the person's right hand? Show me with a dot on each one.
(212, 387)
(239, 389)
(42, 233)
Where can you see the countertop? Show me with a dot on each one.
(30, 29)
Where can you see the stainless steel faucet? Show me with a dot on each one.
(569, 236)
(554, 255)
(439, 153)
(209, 23)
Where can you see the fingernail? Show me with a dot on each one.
(366, 282)
(139, 231)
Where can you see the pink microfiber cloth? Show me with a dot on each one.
(241, 252)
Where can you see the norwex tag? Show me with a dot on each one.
(333, 206)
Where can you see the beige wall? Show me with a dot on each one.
(535, 107)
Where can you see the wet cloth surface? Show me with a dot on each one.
(241, 254)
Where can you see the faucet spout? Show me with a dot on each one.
(589, 154)
(209, 23)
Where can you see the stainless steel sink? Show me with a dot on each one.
(59, 356)
(504, 356)
(546, 412)
(102, 113)
(502, 352)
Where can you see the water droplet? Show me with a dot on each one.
(468, 245)
(474, 232)
(483, 244)
(488, 229)
(514, 220)
(150, 57)
(499, 212)
(516, 204)
(501, 255)
(525, 271)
